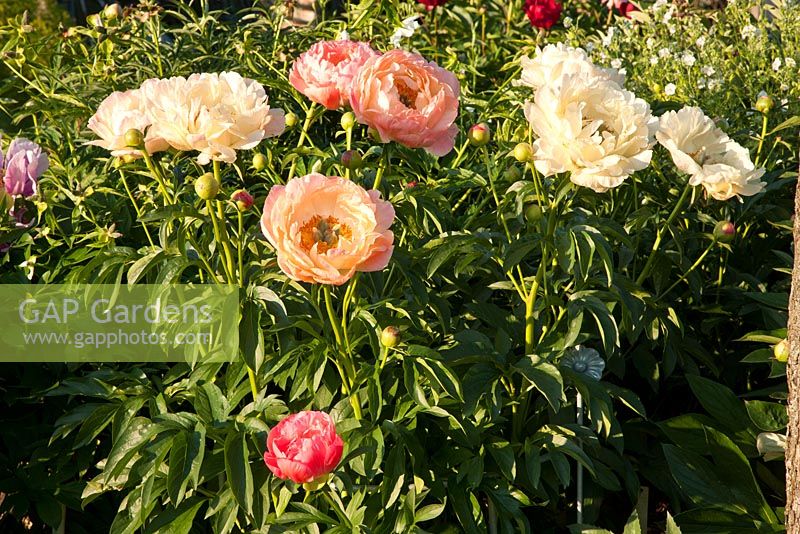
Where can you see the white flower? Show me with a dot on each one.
(616, 63)
(213, 114)
(118, 113)
(700, 42)
(659, 4)
(707, 70)
(553, 62)
(343, 36)
(668, 14)
(776, 65)
(592, 128)
(771, 446)
(688, 59)
(405, 31)
(650, 42)
(664, 53)
(653, 60)
(609, 36)
(750, 31)
(669, 89)
(699, 148)
(701, 83)
(713, 84)
(567, 22)
(789, 62)
(784, 88)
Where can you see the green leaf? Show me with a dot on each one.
(672, 527)
(426, 513)
(237, 469)
(176, 520)
(767, 416)
(185, 459)
(251, 338)
(543, 376)
(632, 526)
(720, 402)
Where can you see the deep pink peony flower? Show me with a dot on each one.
(625, 8)
(304, 447)
(24, 164)
(326, 71)
(430, 4)
(408, 100)
(543, 13)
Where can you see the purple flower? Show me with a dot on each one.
(25, 163)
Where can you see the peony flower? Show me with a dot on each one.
(326, 71)
(592, 128)
(408, 100)
(703, 151)
(118, 113)
(430, 4)
(324, 229)
(303, 447)
(24, 165)
(214, 114)
(554, 61)
(543, 13)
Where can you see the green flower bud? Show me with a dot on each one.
(134, 138)
(390, 336)
(260, 162)
(348, 121)
(206, 187)
(764, 104)
(512, 173)
(291, 120)
(479, 134)
(533, 213)
(523, 152)
(112, 11)
(724, 232)
(781, 350)
(351, 159)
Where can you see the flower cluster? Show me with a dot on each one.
(212, 114)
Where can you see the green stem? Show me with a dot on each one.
(348, 382)
(690, 270)
(218, 237)
(303, 137)
(157, 175)
(660, 234)
(239, 243)
(382, 166)
(764, 121)
(223, 228)
(136, 207)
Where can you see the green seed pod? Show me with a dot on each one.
(533, 213)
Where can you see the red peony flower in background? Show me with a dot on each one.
(543, 13)
(430, 4)
(625, 8)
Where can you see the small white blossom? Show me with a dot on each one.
(668, 14)
(659, 4)
(616, 63)
(669, 89)
(708, 70)
(343, 36)
(567, 22)
(688, 59)
(784, 87)
(608, 37)
(650, 42)
(701, 83)
(653, 60)
(700, 42)
(623, 72)
(789, 62)
(749, 31)
(664, 53)
(713, 84)
(409, 26)
(776, 65)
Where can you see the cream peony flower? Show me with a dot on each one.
(555, 61)
(214, 114)
(592, 128)
(699, 148)
(118, 113)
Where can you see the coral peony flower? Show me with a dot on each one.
(326, 71)
(698, 148)
(24, 165)
(324, 229)
(304, 447)
(591, 128)
(543, 13)
(118, 113)
(430, 4)
(408, 100)
(214, 114)
(554, 61)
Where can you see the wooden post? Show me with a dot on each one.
(793, 381)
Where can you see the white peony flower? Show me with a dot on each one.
(592, 128)
(703, 151)
(118, 113)
(776, 65)
(213, 114)
(553, 62)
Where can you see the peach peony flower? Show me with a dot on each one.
(592, 128)
(303, 447)
(408, 100)
(324, 229)
(214, 114)
(118, 113)
(325, 73)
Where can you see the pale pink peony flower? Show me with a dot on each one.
(324, 229)
(304, 447)
(408, 100)
(213, 114)
(24, 165)
(118, 113)
(325, 72)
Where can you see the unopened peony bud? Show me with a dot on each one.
(134, 138)
(351, 159)
(512, 174)
(348, 121)
(291, 120)
(206, 187)
(112, 11)
(243, 199)
(479, 134)
(781, 350)
(95, 20)
(523, 152)
(533, 213)
(724, 232)
(260, 162)
(390, 336)
(764, 104)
